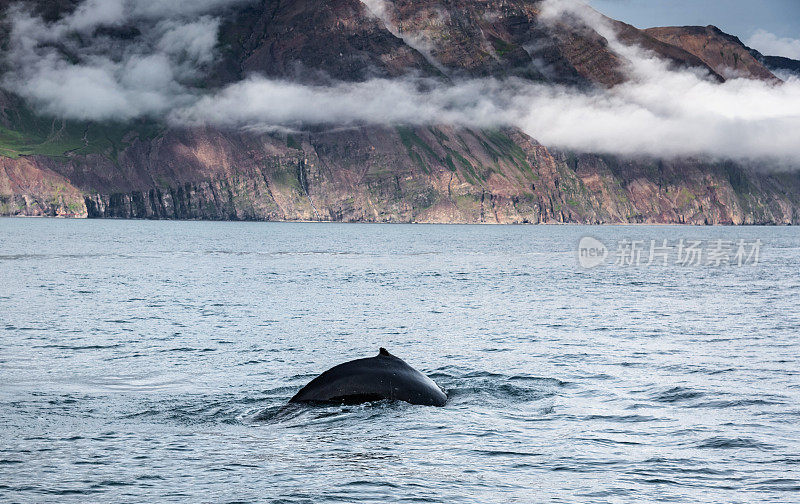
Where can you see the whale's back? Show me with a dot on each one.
(376, 378)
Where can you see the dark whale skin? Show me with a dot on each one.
(373, 379)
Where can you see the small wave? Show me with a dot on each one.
(777, 484)
(505, 453)
(369, 483)
(276, 414)
(614, 492)
(17, 257)
(80, 347)
(719, 442)
(496, 388)
(66, 492)
(607, 441)
(188, 349)
(692, 471)
(660, 481)
(296, 415)
(621, 418)
(735, 403)
(223, 413)
(111, 483)
(253, 362)
(150, 477)
(153, 383)
(677, 394)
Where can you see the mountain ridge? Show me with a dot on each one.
(401, 173)
(720, 51)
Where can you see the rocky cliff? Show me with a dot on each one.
(398, 174)
(437, 173)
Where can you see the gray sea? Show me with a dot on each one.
(135, 356)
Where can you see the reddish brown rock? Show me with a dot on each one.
(724, 53)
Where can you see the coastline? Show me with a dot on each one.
(411, 223)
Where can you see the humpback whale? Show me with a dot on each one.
(372, 379)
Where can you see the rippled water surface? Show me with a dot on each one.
(135, 356)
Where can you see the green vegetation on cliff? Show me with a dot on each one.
(24, 134)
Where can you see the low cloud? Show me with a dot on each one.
(770, 44)
(658, 111)
(76, 69)
(260, 103)
(663, 112)
(684, 116)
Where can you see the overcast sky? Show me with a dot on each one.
(742, 18)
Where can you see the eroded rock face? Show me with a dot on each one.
(32, 187)
(356, 40)
(399, 174)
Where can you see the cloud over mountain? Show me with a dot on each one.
(75, 68)
(72, 68)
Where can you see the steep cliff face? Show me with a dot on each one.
(392, 173)
(308, 40)
(398, 174)
(29, 186)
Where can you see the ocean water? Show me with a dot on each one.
(135, 357)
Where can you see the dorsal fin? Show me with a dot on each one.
(384, 352)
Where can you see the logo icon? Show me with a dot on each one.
(591, 252)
